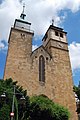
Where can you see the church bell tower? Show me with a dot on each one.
(19, 49)
(60, 74)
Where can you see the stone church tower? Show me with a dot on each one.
(47, 69)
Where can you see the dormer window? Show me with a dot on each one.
(61, 35)
(56, 33)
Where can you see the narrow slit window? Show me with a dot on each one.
(41, 69)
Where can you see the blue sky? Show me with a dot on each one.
(40, 13)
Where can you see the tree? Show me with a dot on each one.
(42, 108)
(34, 108)
(5, 112)
(77, 92)
(7, 86)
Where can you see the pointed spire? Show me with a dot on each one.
(23, 15)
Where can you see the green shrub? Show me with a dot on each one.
(43, 108)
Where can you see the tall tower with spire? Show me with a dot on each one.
(19, 50)
(47, 69)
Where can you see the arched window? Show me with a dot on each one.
(41, 69)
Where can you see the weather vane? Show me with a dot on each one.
(23, 15)
(53, 22)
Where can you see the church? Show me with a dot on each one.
(47, 69)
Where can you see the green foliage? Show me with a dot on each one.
(24, 109)
(34, 108)
(7, 86)
(77, 91)
(5, 112)
(43, 108)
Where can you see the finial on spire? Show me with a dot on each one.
(22, 16)
(23, 7)
(52, 21)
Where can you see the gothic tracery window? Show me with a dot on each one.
(41, 69)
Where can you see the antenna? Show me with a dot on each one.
(22, 16)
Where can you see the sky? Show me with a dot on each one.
(66, 14)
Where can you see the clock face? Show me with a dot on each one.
(60, 45)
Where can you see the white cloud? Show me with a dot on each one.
(3, 46)
(39, 13)
(34, 47)
(74, 49)
(9, 10)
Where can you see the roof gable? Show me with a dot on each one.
(40, 51)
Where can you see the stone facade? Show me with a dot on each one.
(23, 65)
